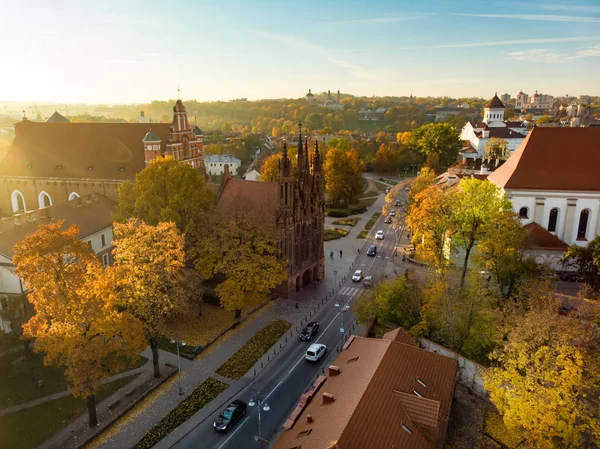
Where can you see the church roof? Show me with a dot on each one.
(542, 239)
(67, 150)
(501, 133)
(309, 94)
(151, 137)
(57, 118)
(553, 158)
(261, 193)
(495, 103)
(197, 131)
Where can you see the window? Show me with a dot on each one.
(552, 220)
(105, 260)
(73, 195)
(44, 200)
(18, 202)
(583, 222)
(103, 240)
(523, 212)
(89, 243)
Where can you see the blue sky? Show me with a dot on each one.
(136, 51)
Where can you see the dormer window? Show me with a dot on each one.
(90, 167)
(121, 168)
(59, 167)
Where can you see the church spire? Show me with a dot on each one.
(284, 163)
(301, 154)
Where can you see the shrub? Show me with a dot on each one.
(206, 392)
(347, 221)
(338, 213)
(241, 362)
(335, 233)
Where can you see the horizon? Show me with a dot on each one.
(136, 53)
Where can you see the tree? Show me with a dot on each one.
(339, 143)
(242, 246)
(166, 190)
(77, 323)
(148, 273)
(386, 159)
(400, 301)
(17, 310)
(496, 149)
(314, 121)
(546, 369)
(475, 202)
(343, 175)
(586, 259)
(269, 169)
(439, 139)
(425, 179)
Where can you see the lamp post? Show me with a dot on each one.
(262, 405)
(179, 363)
(343, 308)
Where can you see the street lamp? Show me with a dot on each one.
(179, 363)
(262, 405)
(343, 308)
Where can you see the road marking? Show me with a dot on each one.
(233, 433)
(276, 386)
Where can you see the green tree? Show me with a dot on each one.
(339, 143)
(586, 259)
(386, 159)
(343, 175)
(496, 149)
(314, 121)
(439, 139)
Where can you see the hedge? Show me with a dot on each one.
(240, 363)
(347, 221)
(206, 392)
(335, 233)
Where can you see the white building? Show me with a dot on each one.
(252, 175)
(493, 125)
(553, 180)
(215, 163)
(92, 213)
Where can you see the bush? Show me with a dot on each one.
(206, 392)
(347, 221)
(241, 362)
(338, 213)
(335, 233)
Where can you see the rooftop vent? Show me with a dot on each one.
(327, 398)
(334, 370)
(406, 429)
(59, 167)
(121, 168)
(90, 167)
(417, 393)
(421, 382)
(309, 419)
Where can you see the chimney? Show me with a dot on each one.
(334, 370)
(309, 419)
(226, 173)
(328, 398)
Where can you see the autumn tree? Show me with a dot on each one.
(439, 142)
(586, 259)
(269, 169)
(77, 322)
(475, 203)
(343, 175)
(148, 273)
(17, 310)
(242, 246)
(386, 159)
(425, 179)
(166, 190)
(496, 149)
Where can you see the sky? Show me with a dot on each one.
(129, 51)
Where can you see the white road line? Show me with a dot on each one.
(234, 432)
(276, 386)
(342, 292)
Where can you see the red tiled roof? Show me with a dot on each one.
(264, 193)
(112, 150)
(495, 103)
(553, 158)
(543, 239)
(400, 335)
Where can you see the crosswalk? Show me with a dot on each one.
(349, 291)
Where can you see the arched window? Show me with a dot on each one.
(18, 202)
(44, 200)
(583, 222)
(523, 212)
(553, 219)
(73, 195)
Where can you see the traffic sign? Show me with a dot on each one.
(341, 330)
(334, 271)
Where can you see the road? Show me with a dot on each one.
(282, 383)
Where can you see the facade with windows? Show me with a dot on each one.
(92, 213)
(552, 180)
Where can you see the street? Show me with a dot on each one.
(282, 383)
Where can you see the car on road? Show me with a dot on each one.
(397, 204)
(379, 235)
(393, 213)
(309, 331)
(232, 414)
(372, 251)
(368, 281)
(387, 220)
(357, 276)
(315, 352)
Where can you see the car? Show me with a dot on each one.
(368, 281)
(228, 417)
(357, 276)
(309, 331)
(387, 220)
(397, 203)
(393, 213)
(379, 235)
(372, 251)
(315, 352)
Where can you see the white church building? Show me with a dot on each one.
(493, 125)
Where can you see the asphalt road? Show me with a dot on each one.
(282, 383)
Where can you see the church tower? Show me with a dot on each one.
(152, 146)
(493, 113)
(184, 144)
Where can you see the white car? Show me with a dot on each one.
(357, 276)
(315, 352)
(368, 281)
(379, 235)
(393, 213)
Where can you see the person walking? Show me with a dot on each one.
(340, 253)
(331, 255)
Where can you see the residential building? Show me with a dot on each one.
(478, 134)
(55, 161)
(252, 175)
(552, 180)
(370, 115)
(215, 163)
(92, 213)
(378, 393)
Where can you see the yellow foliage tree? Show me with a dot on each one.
(269, 170)
(77, 322)
(148, 272)
(242, 246)
(343, 175)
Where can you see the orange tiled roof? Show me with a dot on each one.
(264, 193)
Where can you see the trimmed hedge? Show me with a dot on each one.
(240, 363)
(347, 221)
(335, 233)
(206, 392)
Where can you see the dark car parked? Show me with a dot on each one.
(230, 416)
(372, 251)
(309, 331)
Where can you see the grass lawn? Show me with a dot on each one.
(29, 428)
(240, 362)
(371, 193)
(334, 233)
(347, 221)
(362, 235)
(366, 202)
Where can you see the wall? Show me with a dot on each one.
(469, 372)
(218, 168)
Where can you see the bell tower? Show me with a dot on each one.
(152, 146)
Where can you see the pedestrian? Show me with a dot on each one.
(358, 250)
(331, 255)
(340, 253)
